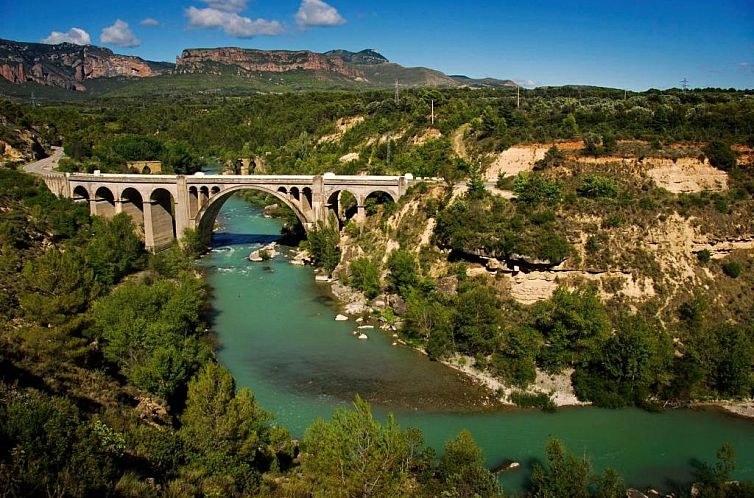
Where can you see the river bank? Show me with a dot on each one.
(558, 386)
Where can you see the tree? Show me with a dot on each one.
(720, 155)
(113, 250)
(574, 326)
(58, 285)
(403, 271)
(533, 189)
(564, 474)
(353, 455)
(365, 276)
(432, 321)
(323, 244)
(226, 432)
(462, 471)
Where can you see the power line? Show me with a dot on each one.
(685, 84)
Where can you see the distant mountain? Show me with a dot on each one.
(99, 71)
(69, 66)
(483, 82)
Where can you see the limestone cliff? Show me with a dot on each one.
(243, 61)
(69, 66)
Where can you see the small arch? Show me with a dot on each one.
(283, 190)
(295, 193)
(104, 202)
(343, 204)
(132, 204)
(208, 214)
(193, 201)
(215, 190)
(80, 194)
(306, 199)
(162, 220)
(146, 171)
(203, 196)
(378, 199)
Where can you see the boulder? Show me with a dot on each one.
(363, 337)
(341, 318)
(398, 304)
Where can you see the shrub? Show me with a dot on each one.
(533, 400)
(720, 155)
(732, 269)
(554, 157)
(595, 186)
(534, 189)
(704, 256)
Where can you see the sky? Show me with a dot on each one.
(637, 44)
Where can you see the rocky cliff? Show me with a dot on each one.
(243, 61)
(67, 65)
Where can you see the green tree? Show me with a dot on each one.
(113, 250)
(462, 472)
(403, 271)
(365, 276)
(57, 286)
(564, 474)
(323, 244)
(353, 455)
(574, 325)
(477, 320)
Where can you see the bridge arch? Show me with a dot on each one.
(205, 219)
(161, 219)
(80, 194)
(104, 201)
(132, 203)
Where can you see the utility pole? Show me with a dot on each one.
(518, 96)
(397, 96)
(685, 84)
(33, 100)
(433, 112)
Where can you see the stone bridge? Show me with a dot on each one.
(166, 205)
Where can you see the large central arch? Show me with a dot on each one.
(205, 218)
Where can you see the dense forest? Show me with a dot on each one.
(108, 381)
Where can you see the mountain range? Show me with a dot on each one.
(83, 68)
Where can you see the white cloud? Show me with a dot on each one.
(120, 35)
(317, 13)
(232, 23)
(236, 6)
(74, 35)
(150, 21)
(746, 66)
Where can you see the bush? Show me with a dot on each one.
(720, 155)
(704, 256)
(534, 189)
(554, 157)
(596, 186)
(365, 276)
(732, 269)
(533, 400)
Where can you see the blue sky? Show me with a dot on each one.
(636, 44)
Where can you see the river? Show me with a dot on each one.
(278, 337)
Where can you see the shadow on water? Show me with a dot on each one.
(220, 239)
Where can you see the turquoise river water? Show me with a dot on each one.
(278, 337)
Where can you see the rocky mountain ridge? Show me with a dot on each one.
(68, 66)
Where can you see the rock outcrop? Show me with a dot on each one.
(243, 61)
(67, 65)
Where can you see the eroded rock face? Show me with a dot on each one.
(271, 61)
(67, 65)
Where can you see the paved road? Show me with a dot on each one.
(47, 164)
